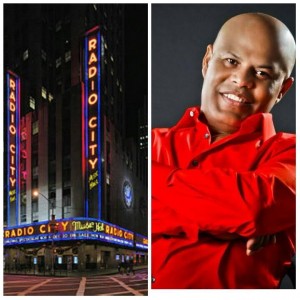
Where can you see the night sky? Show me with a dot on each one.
(136, 61)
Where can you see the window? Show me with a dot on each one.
(58, 62)
(44, 92)
(35, 127)
(44, 55)
(66, 197)
(68, 56)
(23, 208)
(35, 171)
(103, 48)
(31, 102)
(50, 97)
(25, 54)
(34, 206)
(58, 26)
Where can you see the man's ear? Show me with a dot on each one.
(206, 59)
(285, 87)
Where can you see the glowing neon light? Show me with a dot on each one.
(69, 229)
(92, 119)
(13, 144)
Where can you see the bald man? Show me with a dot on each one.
(223, 181)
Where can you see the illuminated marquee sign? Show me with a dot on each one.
(91, 119)
(70, 229)
(13, 140)
(141, 241)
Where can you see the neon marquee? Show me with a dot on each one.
(13, 143)
(73, 229)
(141, 241)
(91, 104)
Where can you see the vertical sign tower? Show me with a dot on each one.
(13, 147)
(91, 122)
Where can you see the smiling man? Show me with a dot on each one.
(223, 181)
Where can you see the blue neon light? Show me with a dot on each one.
(86, 118)
(16, 140)
(68, 236)
(71, 235)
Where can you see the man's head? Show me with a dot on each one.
(247, 70)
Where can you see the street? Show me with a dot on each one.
(109, 285)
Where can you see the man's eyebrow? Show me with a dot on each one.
(266, 67)
(230, 53)
(233, 54)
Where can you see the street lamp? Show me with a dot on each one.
(50, 202)
(52, 224)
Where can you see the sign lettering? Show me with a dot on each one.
(13, 140)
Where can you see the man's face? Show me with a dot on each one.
(244, 73)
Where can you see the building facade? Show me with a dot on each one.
(75, 193)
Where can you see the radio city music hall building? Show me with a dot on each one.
(75, 179)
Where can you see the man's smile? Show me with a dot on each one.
(235, 99)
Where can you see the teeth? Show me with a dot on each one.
(234, 98)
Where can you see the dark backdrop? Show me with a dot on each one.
(180, 35)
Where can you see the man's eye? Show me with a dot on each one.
(231, 61)
(262, 74)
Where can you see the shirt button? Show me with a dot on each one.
(206, 135)
(195, 163)
(191, 113)
(258, 144)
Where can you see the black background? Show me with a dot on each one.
(180, 35)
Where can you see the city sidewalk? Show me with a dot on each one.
(74, 273)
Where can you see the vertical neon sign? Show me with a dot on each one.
(13, 144)
(91, 121)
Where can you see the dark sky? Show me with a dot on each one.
(136, 61)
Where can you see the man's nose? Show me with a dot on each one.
(243, 78)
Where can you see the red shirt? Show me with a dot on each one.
(239, 187)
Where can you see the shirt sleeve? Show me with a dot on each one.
(221, 201)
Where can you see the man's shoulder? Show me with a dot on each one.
(189, 118)
(281, 142)
(285, 137)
